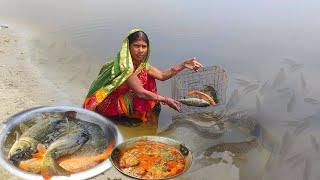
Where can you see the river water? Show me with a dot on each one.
(269, 44)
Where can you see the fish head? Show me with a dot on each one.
(22, 150)
(71, 114)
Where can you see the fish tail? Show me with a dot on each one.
(41, 152)
(259, 143)
(267, 139)
(31, 165)
(226, 125)
(191, 93)
(50, 167)
(108, 150)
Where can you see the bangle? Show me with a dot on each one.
(165, 100)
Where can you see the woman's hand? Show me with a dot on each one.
(173, 104)
(192, 64)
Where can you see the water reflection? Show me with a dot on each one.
(130, 127)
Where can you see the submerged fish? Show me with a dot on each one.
(238, 116)
(233, 100)
(206, 130)
(242, 82)
(301, 127)
(251, 126)
(289, 61)
(295, 67)
(307, 169)
(291, 104)
(237, 148)
(294, 158)
(311, 101)
(286, 145)
(315, 143)
(258, 104)
(203, 116)
(202, 95)
(303, 81)
(280, 78)
(250, 88)
(4, 27)
(264, 88)
(194, 102)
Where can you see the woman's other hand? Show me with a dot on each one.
(173, 104)
(192, 64)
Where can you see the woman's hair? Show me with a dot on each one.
(139, 35)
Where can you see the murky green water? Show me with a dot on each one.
(269, 50)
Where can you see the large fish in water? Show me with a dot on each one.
(251, 126)
(237, 148)
(206, 130)
(61, 137)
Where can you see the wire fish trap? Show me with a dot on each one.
(188, 80)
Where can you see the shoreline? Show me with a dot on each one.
(21, 83)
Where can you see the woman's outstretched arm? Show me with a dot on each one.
(167, 74)
(134, 83)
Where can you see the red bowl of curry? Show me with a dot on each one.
(151, 157)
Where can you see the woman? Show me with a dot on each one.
(126, 86)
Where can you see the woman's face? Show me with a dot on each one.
(138, 50)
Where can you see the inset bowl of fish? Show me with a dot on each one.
(57, 142)
(151, 157)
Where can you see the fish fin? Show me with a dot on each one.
(49, 167)
(266, 139)
(227, 125)
(47, 176)
(260, 144)
(244, 130)
(108, 150)
(242, 157)
(191, 93)
(41, 152)
(17, 134)
(23, 127)
(30, 165)
(71, 114)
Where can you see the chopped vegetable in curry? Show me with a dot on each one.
(151, 160)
